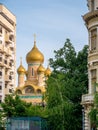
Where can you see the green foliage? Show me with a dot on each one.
(93, 118)
(2, 120)
(65, 87)
(13, 106)
(94, 111)
(69, 80)
(64, 58)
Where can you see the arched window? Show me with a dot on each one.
(19, 92)
(29, 89)
(38, 91)
(0, 73)
(93, 39)
(93, 80)
(32, 72)
(92, 5)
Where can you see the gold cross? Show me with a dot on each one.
(34, 37)
(21, 60)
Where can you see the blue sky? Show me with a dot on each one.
(52, 21)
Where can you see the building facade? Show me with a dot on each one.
(31, 82)
(91, 22)
(7, 52)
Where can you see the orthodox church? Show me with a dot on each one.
(31, 82)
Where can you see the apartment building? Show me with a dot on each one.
(91, 22)
(7, 52)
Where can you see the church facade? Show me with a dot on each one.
(31, 82)
(91, 22)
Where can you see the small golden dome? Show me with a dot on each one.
(48, 71)
(35, 55)
(21, 70)
(41, 68)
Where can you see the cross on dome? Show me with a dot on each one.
(34, 40)
(20, 60)
(34, 37)
(34, 55)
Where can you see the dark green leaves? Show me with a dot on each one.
(69, 80)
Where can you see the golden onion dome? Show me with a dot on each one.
(21, 70)
(48, 71)
(35, 55)
(41, 68)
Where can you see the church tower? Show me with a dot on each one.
(91, 22)
(21, 74)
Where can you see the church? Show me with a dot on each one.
(31, 82)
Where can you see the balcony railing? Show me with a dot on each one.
(5, 49)
(1, 48)
(12, 58)
(87, 98)
(2, 62)
(11, 34)
(6, 77)
(7, 39)
(9, 52)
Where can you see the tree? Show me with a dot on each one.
(94, 112)
(65, 87)
(2, 122)
(13, 106)
(57, 105)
